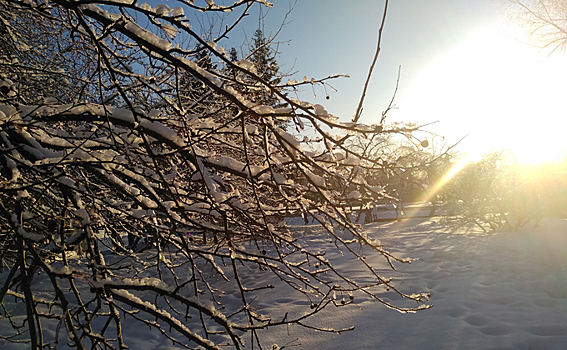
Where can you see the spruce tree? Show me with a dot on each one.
(263, 56)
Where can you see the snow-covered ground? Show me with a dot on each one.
(489, 291)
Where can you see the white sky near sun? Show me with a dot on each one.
(512, 98)
(463, 64)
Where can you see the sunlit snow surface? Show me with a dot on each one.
(495, 291)
(490, 291)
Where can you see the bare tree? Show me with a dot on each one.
(409, 167)
(121, 154)
(545, 20)
(496, 193)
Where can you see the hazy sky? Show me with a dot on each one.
(463, 64)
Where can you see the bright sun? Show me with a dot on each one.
(502, 93)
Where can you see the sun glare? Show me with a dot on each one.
(457, 167)
(500, 92)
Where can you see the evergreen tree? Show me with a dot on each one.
(233, 55)
(263, 56)
(264, 64)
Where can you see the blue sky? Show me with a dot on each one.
(340, 37)
(464, 64)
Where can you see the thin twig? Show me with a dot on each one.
(361, 102)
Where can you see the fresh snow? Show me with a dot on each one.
(489, 291)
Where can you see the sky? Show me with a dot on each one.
(465, 66)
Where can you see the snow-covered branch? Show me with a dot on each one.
(150, 182)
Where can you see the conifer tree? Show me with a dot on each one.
(263, 56)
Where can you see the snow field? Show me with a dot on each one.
(490, 291)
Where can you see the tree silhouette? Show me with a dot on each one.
(545, 20)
